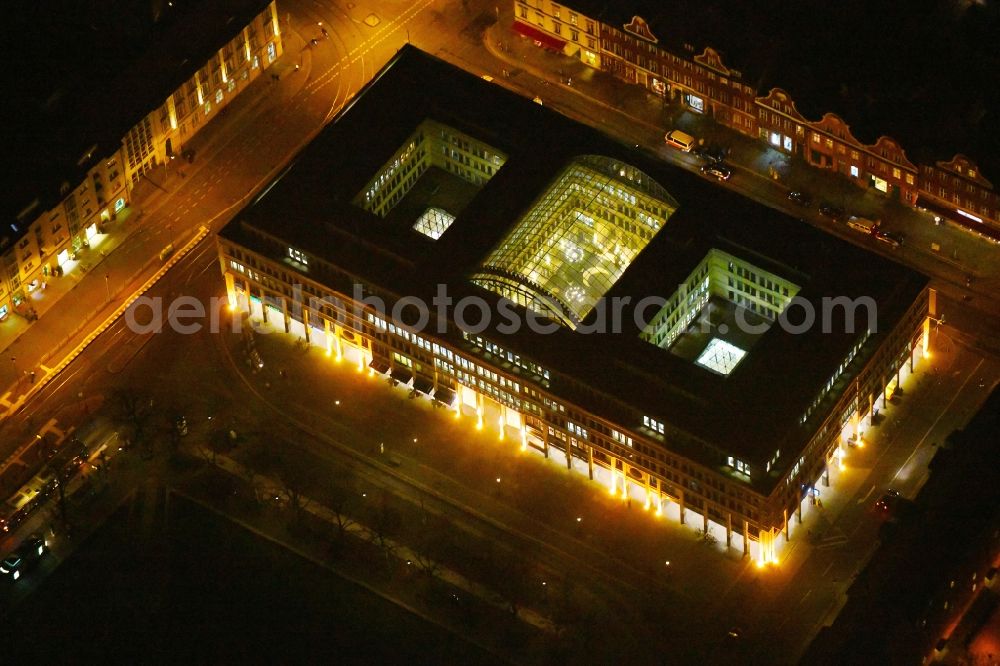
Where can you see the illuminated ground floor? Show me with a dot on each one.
(483, 398)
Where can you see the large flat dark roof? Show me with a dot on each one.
(88, 72)
(752, 412)
(925, 73)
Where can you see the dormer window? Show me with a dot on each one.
(296, 255)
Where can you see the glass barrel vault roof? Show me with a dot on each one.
(577, 239)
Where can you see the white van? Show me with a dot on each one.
(862, 224)
(680, 140)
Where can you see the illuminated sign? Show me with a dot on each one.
(969, 215)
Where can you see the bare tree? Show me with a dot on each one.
(384, 521)
(434, 542)
(341, 498)
(510, 574)
(133, 410)
(295, 473)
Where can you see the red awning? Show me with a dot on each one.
(540, 38)
(953, 216)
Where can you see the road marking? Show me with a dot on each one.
(867, 495)
(940, 416)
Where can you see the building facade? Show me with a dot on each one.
(704, 84)
(342, 241)
(514, 395)
(46, 240)
(165, 129)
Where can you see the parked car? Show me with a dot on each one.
(29, 552)
(800, 198)
(892, 238)
(832, 212)
(717, 171)
(887, 502)
(709, 153)
(863, 224)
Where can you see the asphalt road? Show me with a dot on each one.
(263, 139)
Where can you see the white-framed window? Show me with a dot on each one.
(621, 438)
(652, 424)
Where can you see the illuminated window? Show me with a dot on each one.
(296, 255)
(577, 239)
(218, 96)
(855, 171)
(652, 424)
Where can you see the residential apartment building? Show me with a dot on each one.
(632, 50)
(43, 240)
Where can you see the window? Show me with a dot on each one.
(623, 439)
(298, 256)
(855, 172)
(572, 18)
(218, 96)
(652, 424)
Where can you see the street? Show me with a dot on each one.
(566, 522)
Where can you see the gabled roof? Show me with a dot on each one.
(926, 73)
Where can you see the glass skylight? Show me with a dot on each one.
(720, 356)
(577, 239)
(434, 222)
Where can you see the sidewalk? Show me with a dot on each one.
(959, 254)
(91, 280)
